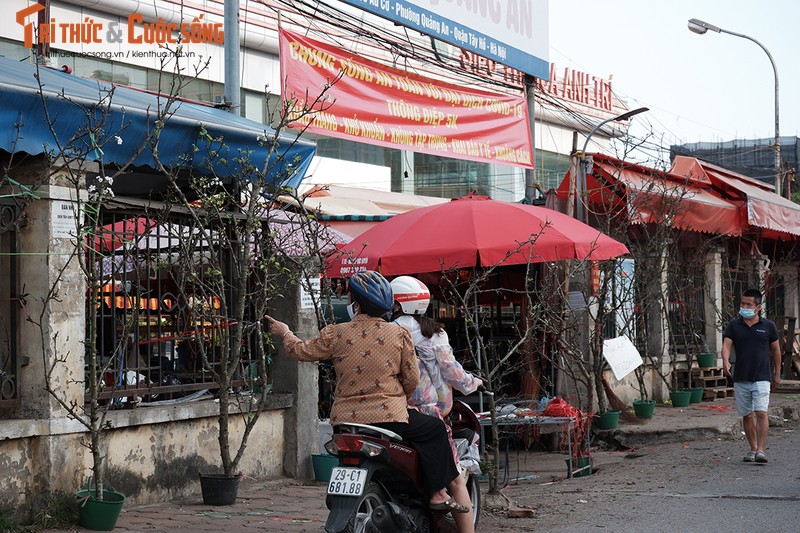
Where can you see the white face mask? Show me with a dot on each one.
(351, 312)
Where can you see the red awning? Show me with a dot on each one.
(650, 196)
(777, 216)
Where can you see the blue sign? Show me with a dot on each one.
(509, 32)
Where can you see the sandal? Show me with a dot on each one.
(449, 506)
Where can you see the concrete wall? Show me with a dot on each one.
(627, 389)
(53, 282)
(153, 453)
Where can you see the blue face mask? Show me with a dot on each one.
(747, 313)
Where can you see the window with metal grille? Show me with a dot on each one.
(10, 358)
(686, 308)
(156, 310)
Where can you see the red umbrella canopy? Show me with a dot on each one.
(112, 236)
(467, 232)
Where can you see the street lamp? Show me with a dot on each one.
(581, 166)
(700, 27)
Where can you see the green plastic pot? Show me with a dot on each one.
(644, 408)
(584, 462)
(608, 420)
(680, 398)
(696, 395)
(323, 466)
(99, 515)
(706, 360)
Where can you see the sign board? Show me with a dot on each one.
(511, 32)
(307, 296)
(622, 356)
(576, 301)
(64, 219)
(354, 98)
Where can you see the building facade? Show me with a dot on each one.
(571, 100)
(156, 451)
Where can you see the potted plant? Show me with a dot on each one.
(706, 360)
(227, 268)
(86, 388)
(644, 408)
(608, 419)
(99, 505)
(235, 258)
(89, 385)
(680, 397)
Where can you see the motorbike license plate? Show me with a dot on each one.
(347, 481)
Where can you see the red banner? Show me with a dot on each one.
(376, 104)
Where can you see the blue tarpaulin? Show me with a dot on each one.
(80, 117)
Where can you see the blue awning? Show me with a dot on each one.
(110, 123)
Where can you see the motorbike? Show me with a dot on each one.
(377, 487)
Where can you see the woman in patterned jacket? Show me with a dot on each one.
(376, 371)
(439, 372)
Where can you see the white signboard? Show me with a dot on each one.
(307, 297)
(622, 356)
(576, 301)
(510, 32)
(64, 220)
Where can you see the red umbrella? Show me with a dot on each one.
(467, 232)
(112, 236)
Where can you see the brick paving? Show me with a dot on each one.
(279, 505)
(286, 505)
(283, 505)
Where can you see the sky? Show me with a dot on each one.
(712, 87)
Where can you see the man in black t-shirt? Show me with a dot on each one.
(755, 341)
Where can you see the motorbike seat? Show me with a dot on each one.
(364, 429)
(464, 433)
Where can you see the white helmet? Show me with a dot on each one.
(412, 295)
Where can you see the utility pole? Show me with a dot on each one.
(573, 171)
(233, 84)
(566, 312)
(530, 181)
(43, 48)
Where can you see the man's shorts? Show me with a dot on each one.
(751, 396)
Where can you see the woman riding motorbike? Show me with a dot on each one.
(439, 372)
(376, 371)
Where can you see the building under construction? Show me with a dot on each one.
(752, 157)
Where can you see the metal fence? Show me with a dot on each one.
(159, 332)
(10, 358)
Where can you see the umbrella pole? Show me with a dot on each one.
(478, 352)
(479, 358)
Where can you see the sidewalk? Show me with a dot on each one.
(698, 421)
(287, 505)
(283, 505)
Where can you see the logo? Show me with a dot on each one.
(88, 31)
(400, 448)
(21, 14)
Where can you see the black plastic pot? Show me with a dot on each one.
(219, 489)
